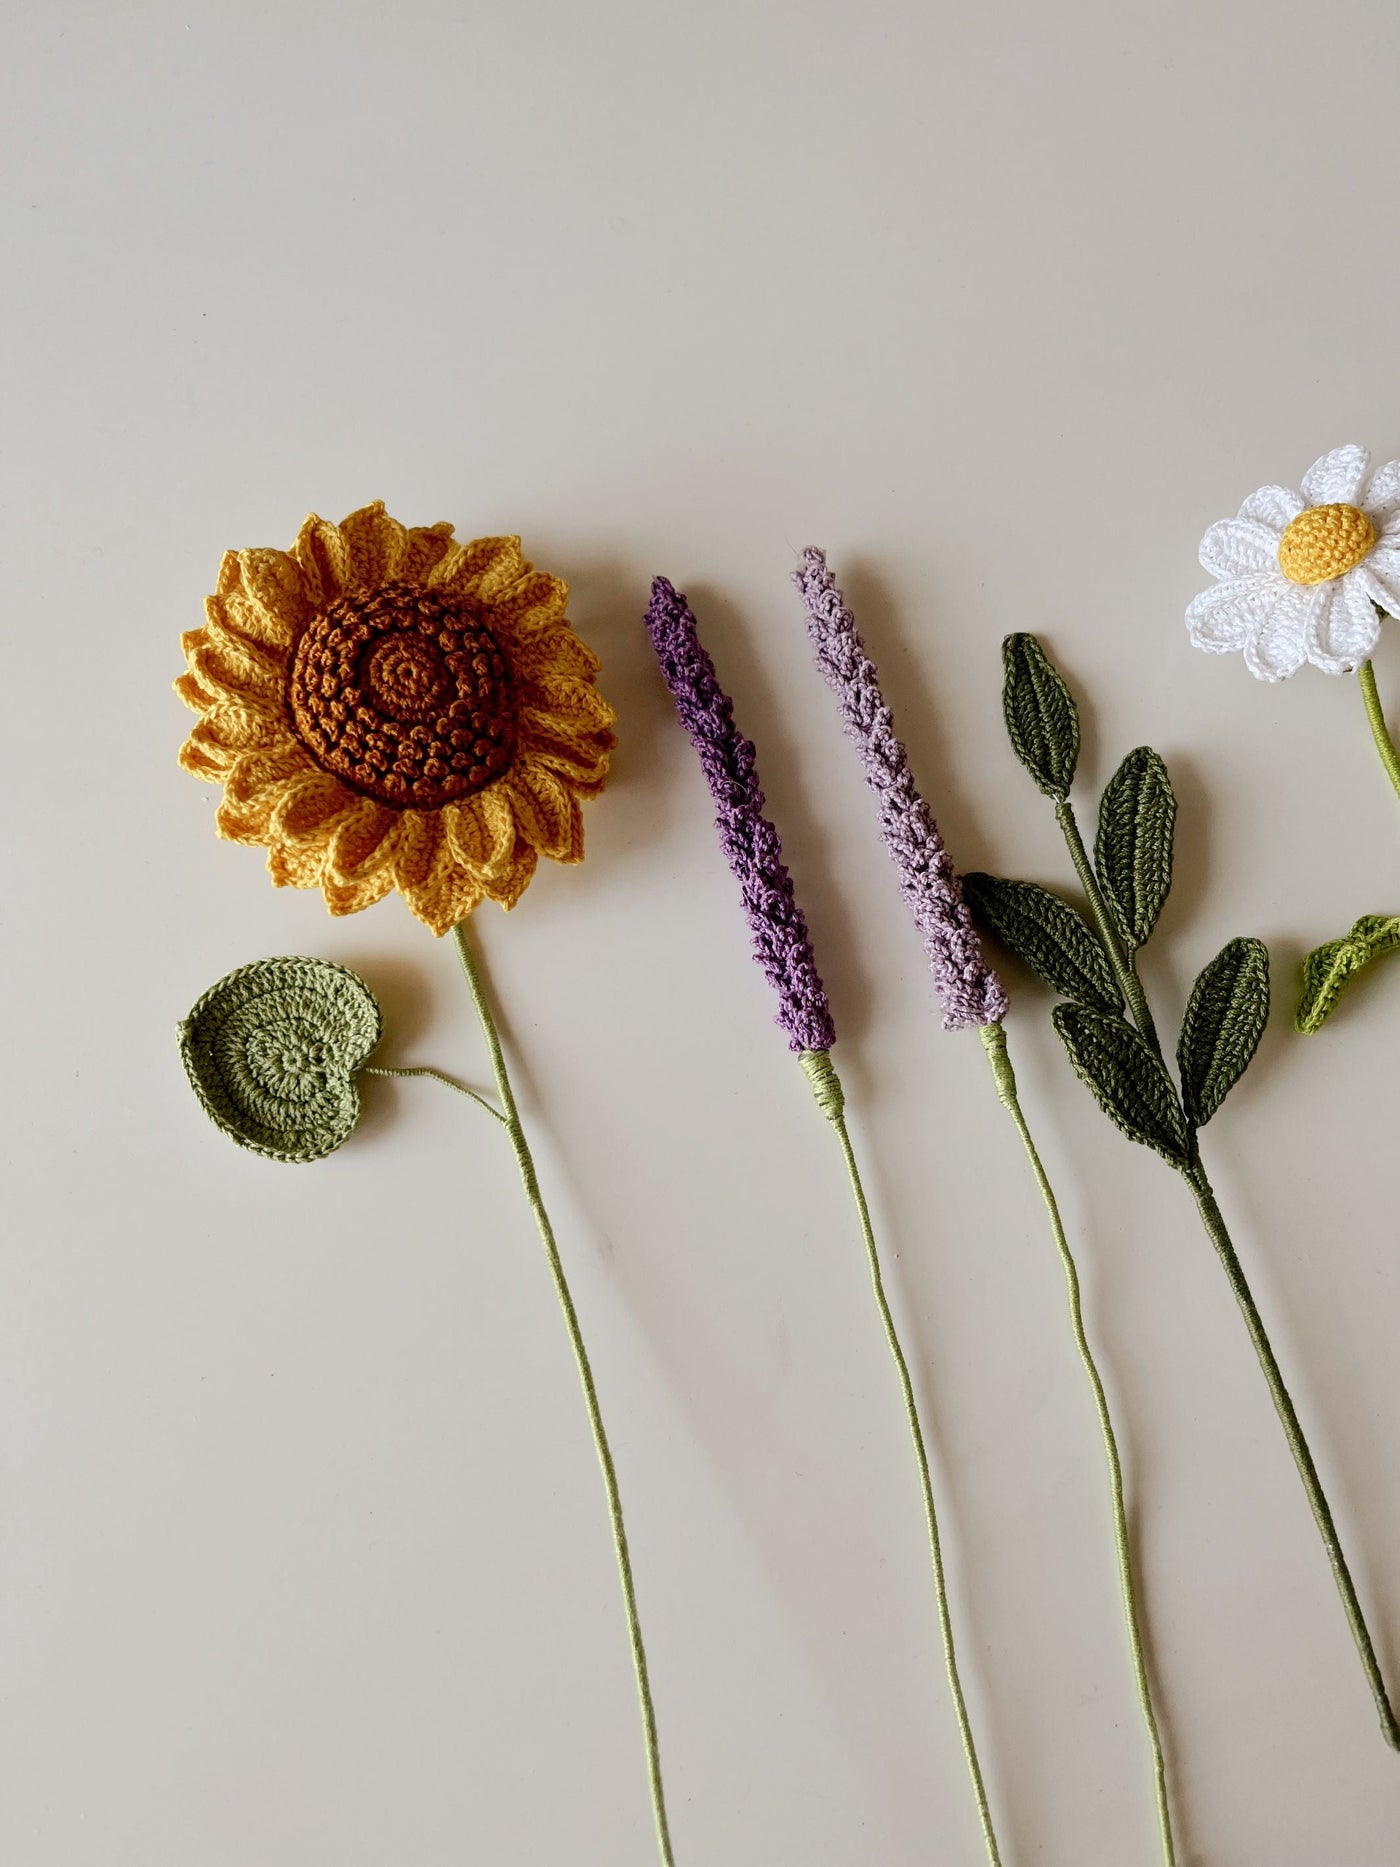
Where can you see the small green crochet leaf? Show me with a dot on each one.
(272, 1052)
(1128, 1079)
(1328, 967)
(1041, 717)
(1133, 851)
(1049, 935)
(1225, 1018)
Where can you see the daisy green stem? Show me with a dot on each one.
(525, 1162)
(1121, 961)
(830, 1099)
(1195, 1177)
(1380, 732)
(994, 1043)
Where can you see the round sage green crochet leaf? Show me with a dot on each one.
(272, 1052)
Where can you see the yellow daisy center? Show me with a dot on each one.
(1325, 542)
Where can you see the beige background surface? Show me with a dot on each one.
(303, 1553)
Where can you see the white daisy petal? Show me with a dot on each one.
(1223, 618)
(1278, 646)
(1379, 576)
(1274, 506)
(1342, 633)
(1336, 478)
(1388, 532)
(1383, 494)
(1234, 547)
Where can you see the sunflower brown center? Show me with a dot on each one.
(404, 695)
(1324, 542)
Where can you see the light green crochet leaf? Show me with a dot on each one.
(272, 1052)
(1328, 967)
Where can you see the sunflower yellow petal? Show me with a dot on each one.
(481, 829)
(204, 761)
(530, 600)
(231, 669)
(272, 582)
(323, 560)
(295, 868)
(417, 846)
(259, 771)
(363, 843)
(353, 897)
(472, 567)
(575, 701)
(375, 545)
(427, 546)
(229, 727)
(446, 896)
(312, 808)
(539, 652)
(507, 887)
(547, 811)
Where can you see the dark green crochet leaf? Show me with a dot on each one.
(1041, 716)
(1049, 935)
(1133, 853)
(1225, 1018)
(272, 1052)
(1129, 1081)
(1327, 968)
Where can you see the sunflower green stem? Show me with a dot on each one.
(830, 1099)
(525, 1162)
(1380, 732)
(994, 1043)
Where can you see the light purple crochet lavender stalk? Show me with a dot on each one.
(970, 992)
(751, 844)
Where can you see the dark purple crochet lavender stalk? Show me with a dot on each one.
(751, 844)
(971, 993)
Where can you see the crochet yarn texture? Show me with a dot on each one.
(387, 708)
(968, 989)
(272, 1052)
(751, 844)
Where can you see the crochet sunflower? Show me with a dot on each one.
(387, 707)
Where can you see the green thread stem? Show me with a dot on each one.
(1004, 1076)
(1380, 732)
(1211, 1218)
(1119, 958)
(383, 1069)
(525, 1162)
(830, 1099)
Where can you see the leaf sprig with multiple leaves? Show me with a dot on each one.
(1104, 1023)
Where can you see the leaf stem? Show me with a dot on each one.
(830, 1098)
(1380, 732)
(1119, 958)
(384, 1069)
(1195, 1177)
(994, 1043)
(525, 1162)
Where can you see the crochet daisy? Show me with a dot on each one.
(1303, 576)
